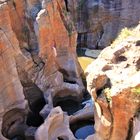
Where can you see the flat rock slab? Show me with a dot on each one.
(92, 53)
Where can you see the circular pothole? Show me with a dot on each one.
(68, 104)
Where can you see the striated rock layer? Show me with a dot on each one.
(98, 22)
(113, 80)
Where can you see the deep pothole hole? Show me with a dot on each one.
(68, 104)
(13, 125)
(36, 102)
(34, 118)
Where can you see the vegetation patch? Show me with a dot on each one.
(125, 33)
(136, 90)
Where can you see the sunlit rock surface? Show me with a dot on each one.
(56, 126)
(113, 80)
(11, 90)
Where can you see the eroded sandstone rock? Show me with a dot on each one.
(114, 82)
(11, 90)
(37, 45)
(61, 73)
(56, 126)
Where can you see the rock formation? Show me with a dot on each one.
(38, 59)
(12, 100)
(114, 82)
(39, 68)
(61, 73)
(98, 22)
(57, 124)
(55, 127)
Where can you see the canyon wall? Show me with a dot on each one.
(98, 22)
(38, 61)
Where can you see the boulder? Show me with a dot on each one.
(56, 126)
(113, 80)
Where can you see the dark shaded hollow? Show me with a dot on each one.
(66, 3)
(66, 77)
(138, 43)
(59, 138)
(130, 130)
(82, 128)
(13, 125)
(36, 102)
(121, 59)
(68, 104)
(100, 92)
(138, 64)
(82, 43)
(63, 138)
(34, 118)
(68, 81)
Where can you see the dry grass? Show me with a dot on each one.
(125, 34)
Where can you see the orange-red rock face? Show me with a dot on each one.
(54, 26)
(11, 88)
(17, 14)
(37, 47)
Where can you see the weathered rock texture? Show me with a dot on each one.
(114, 83)
(11, 90)
(60, 76)
(39, 64)
(37, 55)
(99, 21)
(56, 126)
(61, 70)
